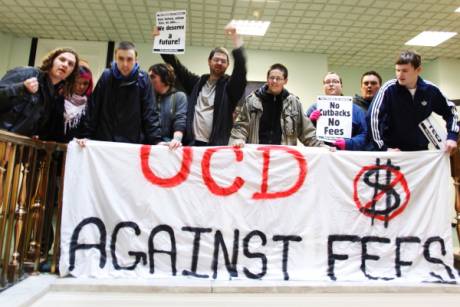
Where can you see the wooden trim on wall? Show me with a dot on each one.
(110, 49)
(33, 51)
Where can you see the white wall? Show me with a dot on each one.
(14, 52)
(5, 51)
(195, 58)
(305, 70)
(351, 77)
(431, 71)
(449, 77)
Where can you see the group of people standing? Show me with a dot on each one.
(56, 101)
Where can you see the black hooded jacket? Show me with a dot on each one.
(22, 112)
(229, 90)
(123, 110)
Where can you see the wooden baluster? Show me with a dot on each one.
(3, 161)
(25, 257)
(10, 212)
(49, 205)
(455, 171)
(6, 196)
(457, 204)
(57, 237)
(5, 153)
(20, 213)
(35, 211)
(41, 208)
(2, 173)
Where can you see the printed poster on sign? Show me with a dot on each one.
(171, 25)
(336, 117)
(434, 133)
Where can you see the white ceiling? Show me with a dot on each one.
(351, 32)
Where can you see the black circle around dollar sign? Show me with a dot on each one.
(393, 200)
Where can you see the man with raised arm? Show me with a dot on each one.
(212, 97)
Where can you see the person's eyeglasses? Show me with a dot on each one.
(275, 79)
(366, 83)
(331, 82)
(216, 60)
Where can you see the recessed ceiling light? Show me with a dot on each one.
(430, 38)
(250, 27)
(457, 10)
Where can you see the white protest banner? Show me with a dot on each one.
(336, 117)
(172, 32)
(260, 212)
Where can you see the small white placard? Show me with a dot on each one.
(336, 117)
(171, 25)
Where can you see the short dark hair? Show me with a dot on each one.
(47, 65)
(333, 73)
(219, 50)
(372, 73)
(165, 72)
(125, 45)
(409, 57)
(280, 67)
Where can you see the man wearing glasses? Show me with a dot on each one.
(212, 97)
(332, 85)
(370, 85)
(272, 115)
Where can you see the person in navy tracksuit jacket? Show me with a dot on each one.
(402, 103)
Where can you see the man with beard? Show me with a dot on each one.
(370, 85)
(272, 115)
(212, 97)
(122, 107)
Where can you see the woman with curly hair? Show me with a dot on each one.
(28, 94)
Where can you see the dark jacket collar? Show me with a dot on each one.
(117, 74)
(421, 84)
(263, 94)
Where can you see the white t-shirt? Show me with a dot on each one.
(204, 112)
